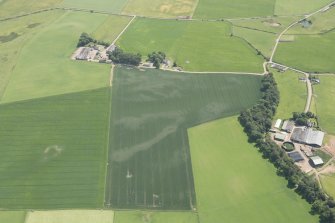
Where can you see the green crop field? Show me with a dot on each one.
(111, 28)
(196, 46)
(234, 183)
(13, 35)
(215, 9)
(54, 151)
(148, 141)
(328, 183)
(12, 216)
(293, 94)
(324, 98)
(312, 53)
(155, 217)
(44, 67)
(70, 216)
(299, 7)
(160, 8)
(114, 6)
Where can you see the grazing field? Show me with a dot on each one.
(234, 183)
(9, 8)
(155, 217)
(12, 216)
(148, 140)
(312, 53)
(44, 67)
(324, 99)
(114, 6)
(70, 216)
(293, 94)
(298, 7)
(160, 8)
(188, 43)
(328, 183)
(214, 9)
(13, 35)
(54, 151)
(111, 28)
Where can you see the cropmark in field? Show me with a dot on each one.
(149, 161)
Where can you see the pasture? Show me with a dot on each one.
(187, 43)
(114, 6)
(328, 183)
(70, 216)
(151, 112)
(12, 216)
(155, 217)
(298, 7)
(160, 8)
(310, 53)
(215, 9)
(54, 151)
(293, 94)
(234, 183)
(44, 68)
(324, 97)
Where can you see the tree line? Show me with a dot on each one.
(85, 39)
(257, 123)
(121, 57)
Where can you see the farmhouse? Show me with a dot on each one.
(308, 136)
(288, 126)
(296, 156)
(316, 161)
(84, 53)
(278, 124)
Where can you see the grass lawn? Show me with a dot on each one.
(324, 99)
(111, 28)
(13, 35)
(44, 67)
(12, 216)
(298, 7)
(154, 217)
(234, 183)
(10, 8)
(214, 9)
(328, 183)
(54, 151)
(69, 216)
(196, 46)
(312, 53)
(114, 6)
(160, 8)
(293, 94)
(149, 150)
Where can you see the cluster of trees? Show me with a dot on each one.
(85, 39)
(302, 118)
(156, 58)
(118, 56)
(257, 122)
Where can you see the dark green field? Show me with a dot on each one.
(149, 161)
(53, 151)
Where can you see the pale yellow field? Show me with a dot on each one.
(70, 216)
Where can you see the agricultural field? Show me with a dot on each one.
(155, 217)
(12, 216)
(188, 44)
(44, 68)
(299, 7)
(324, 96)
(215, 9)
(148, 141)
(291, 90)
(68, 216)
(160, 8)
(234, 183)
(54, 151)
(113, 6)
(311, 53)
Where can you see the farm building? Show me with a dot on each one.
(296, 156)
(111, 48)
(83, 55)
(278, 123)
(280, 136)
(279, 67)
(316, 161)
(308, 136)
(288, 126)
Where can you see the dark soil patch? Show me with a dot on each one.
(8, 38)
(31, 26)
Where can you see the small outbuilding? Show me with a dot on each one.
(288, 126)
(296, 156)
(280, 136)
(316, 161)
(278, 123)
